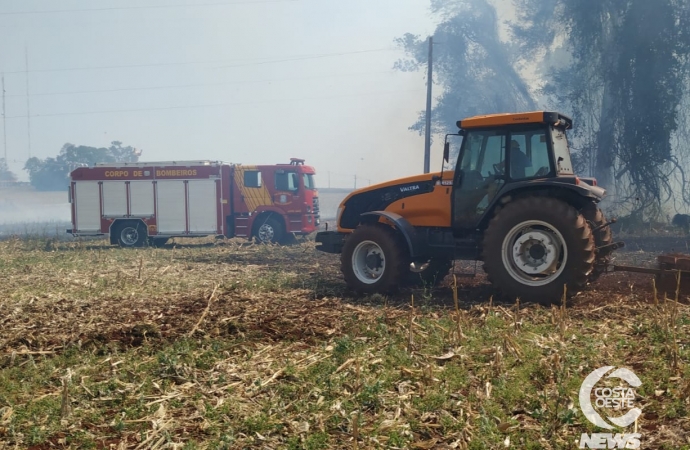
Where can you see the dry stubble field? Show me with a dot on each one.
(220, 344)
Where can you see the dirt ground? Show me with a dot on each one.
(145, 335)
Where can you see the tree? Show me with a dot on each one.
(52, 174)
(474, 68)
(621, 68)
(6, 174)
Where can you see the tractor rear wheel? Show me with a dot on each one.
(536, 245)
(602, 237)
(373, 259)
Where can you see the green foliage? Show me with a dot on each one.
(52, 174)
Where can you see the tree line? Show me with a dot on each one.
(52, 174)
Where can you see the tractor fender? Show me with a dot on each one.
(575, 194)
(404, 227)
(568, 183)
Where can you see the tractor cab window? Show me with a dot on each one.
(539, 154)
(561, 152)
(287, 181)
(483, 151)
(479, 176)
(492, 156)
(529, 154)
(472, 150)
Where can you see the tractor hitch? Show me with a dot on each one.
(604, 225)
(611, 247)
(671, 275)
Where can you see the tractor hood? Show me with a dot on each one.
(379, 196)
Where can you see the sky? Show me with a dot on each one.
(243, 81)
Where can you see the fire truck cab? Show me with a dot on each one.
(149, 202)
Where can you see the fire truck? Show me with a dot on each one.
(147, 203)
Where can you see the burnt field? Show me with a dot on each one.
(221, 344)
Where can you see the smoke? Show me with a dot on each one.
(24, 211)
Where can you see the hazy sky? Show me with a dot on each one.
(246, 81)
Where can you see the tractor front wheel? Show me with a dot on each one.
(535, 246)
(373, 259)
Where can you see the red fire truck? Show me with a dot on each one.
(149, 202)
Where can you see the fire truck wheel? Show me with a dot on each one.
(268, 231)
(131, 234)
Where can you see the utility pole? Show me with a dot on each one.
(355, 181)
(4, 124)
(429, 79)
(28, 103)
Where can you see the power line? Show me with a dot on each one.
(182, 86)
(186, 63)
(119, 8)
(210, 105)
(310, 57)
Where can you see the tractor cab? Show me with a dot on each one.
(503, 150)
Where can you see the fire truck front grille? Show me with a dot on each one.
(315, 206)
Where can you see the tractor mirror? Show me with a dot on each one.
(446, 151)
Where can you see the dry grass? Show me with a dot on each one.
(215, 344)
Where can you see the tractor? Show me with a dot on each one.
(512, 202)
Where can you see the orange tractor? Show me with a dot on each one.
(512, 201)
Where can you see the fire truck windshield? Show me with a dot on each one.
(309, 181)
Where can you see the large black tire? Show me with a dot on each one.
(374, 260)
(268, 230)
(131, 234)
(536, 245)
(432, 275)
(602, 237)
